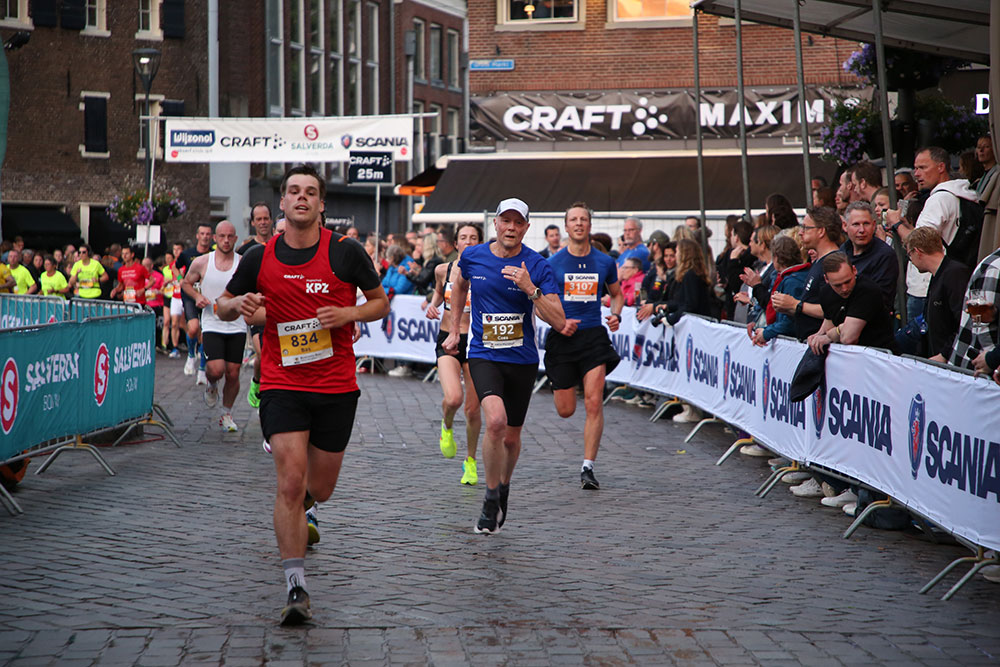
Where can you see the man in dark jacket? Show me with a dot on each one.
(870, 255)
(946, 292)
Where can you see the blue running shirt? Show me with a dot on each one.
(583, 281)
(503, 327)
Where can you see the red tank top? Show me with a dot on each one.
(298, 354)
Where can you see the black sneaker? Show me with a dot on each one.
(588, 481)
(296, 611)
(504, 493)
(491, 518)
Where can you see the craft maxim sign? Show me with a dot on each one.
(654, 115)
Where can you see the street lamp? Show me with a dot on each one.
(146, 63)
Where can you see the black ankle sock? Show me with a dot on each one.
(493, 494)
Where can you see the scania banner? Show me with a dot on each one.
(626, 115)
(314, 139)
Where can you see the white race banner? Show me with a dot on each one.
(405, 333)
(311, 139)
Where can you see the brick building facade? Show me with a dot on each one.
(80, 66)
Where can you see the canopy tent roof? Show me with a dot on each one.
(611, 181)
(421, 184)
(957, 28)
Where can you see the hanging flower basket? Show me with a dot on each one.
(904, 69)
(133, 207)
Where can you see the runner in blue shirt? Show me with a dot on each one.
(583, 274)
(508, 281)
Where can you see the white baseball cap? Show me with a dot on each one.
(513, 204)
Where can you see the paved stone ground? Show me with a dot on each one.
(673, 561)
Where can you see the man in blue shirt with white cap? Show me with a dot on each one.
(509, 282)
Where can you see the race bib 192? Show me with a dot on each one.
(502, 330)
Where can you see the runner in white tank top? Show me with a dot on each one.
(223, 341)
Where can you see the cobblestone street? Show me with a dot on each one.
(674, 561)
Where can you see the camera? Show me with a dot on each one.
(658, 317)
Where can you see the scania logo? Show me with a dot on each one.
(725, 371)
(389, 326)
(10, 391)
(765, 376)
(916, 421)
(689, 353)
(818, 405)
(102, 374)
(346, 141)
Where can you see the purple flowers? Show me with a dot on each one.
(845, 137)
(133, 207)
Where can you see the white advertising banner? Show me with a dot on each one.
(311, 139)
(928, 437)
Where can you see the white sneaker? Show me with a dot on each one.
(189, 366)
(850, 509)
(227, 424)
(688, 415)
(795, 477)
(991, 573)
(399, 372)
(267, 446)
(211, 394)
(841, 500)
(754, 450)
(201, 378)
(808, 489)
(779, 462)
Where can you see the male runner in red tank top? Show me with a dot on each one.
(306, 280)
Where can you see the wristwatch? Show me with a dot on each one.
(536, 295)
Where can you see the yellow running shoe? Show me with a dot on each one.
(447, 442)
(470, 476)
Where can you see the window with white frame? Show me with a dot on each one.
(420, 52)
(371, 57)
(454, 55)
(434, 135)
(648, 10)
(155, 110)
(275, 59)
(317, 68)
(435, 64)
(149, 20)
(454, 130)
(14, 14)
(354, 74)
(297, 57)
(96, 18)
(538, 11)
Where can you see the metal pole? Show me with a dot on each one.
(890, 166)
(698, 134)
(741, 96)
(803, 107)
(378, 197)
(149, 172)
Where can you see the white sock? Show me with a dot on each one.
(314, 510)
(295, 573)
(587, 463)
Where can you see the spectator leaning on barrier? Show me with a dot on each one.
(759, 279)
(821, 231)
(631, 275)
(656, 284)
(396, 279)
(786, 255)
(968, 343)
(943, 310)
(869, 255)
(632, 244)
(24, 283)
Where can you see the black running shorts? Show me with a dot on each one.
(463, 344)
(511, 382)
(224, 346)
(329, 418)
(191, 311)
(569, 358)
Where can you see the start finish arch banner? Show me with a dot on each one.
(311, 139)
(928, 437)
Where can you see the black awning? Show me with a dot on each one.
(104, 231)
(614, 183)
(42, 228)
(421, 184)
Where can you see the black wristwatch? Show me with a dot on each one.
(798, 308)
(618, 315)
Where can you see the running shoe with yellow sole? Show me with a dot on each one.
(447, 443)
(469, 475)
(313, 524)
